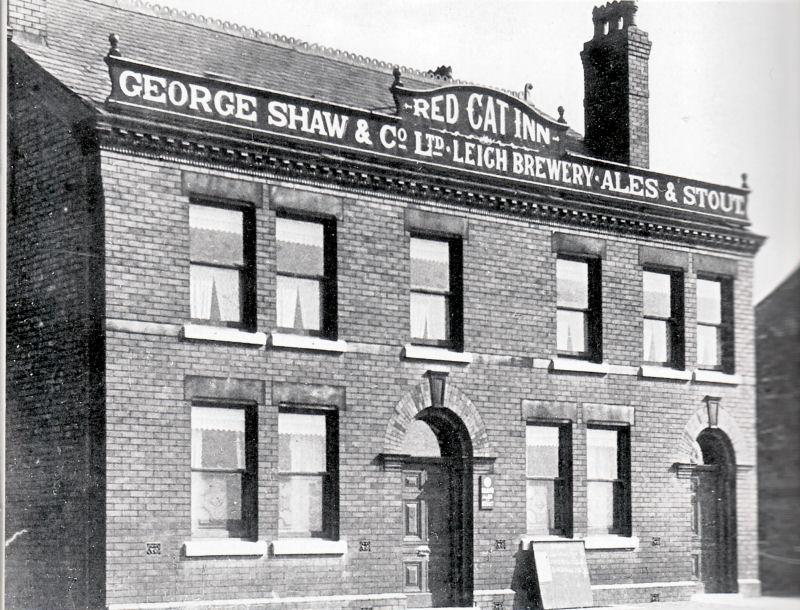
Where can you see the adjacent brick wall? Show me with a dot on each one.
(778, 348)
(28, 18)
(54, 485)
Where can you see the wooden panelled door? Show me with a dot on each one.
(716, 537)
(428, 533)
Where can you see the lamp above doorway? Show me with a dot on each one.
(438, 383)
(712, 406)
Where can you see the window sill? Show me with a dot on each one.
(610, 541)
(716, 377)
(439, 354)
(219, 547)
(223, 334)
(306, 342)
(575, 365)
(308, 546)
(663, 372)
(527, 539)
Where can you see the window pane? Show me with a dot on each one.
(709, 301)
(430, 265)
(214, 294)
(300, 505)
(708, 345)
(429, 316)
(656, 341)
(572, 283)
(217, 504)
(600, 504)
(300, 247)
(540, 507)
(298, 303)
(601, 447)
(215, 235)
(218, 438)
(572, 330)
(542, 451)
(302, 443)
(657, 291)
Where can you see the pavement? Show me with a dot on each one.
(719, 602)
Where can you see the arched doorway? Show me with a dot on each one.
(715, 480)
(437, 510)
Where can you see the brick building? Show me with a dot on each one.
(778, 397)
(294, 328)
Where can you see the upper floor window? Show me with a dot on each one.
(221, 265)
(715, 324)
(608, 473)
(549, 479)
(308, 473)
(223, 472)
(579, 319)
(662, 309)
(306, 298)
(436, 292)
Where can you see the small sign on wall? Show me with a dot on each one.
(486, 498)
(154, 548)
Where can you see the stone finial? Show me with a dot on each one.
(561, 118)
(744, 181)
(114, 51)
(527, 92)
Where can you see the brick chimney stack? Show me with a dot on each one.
(616, 93)
(28, 19)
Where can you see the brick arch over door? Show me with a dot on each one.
(689, 450)
(418, 398)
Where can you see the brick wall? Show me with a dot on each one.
(28, 18)
(777, 336)
(54, 485)
(509, 305)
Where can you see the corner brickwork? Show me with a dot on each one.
(54, 421)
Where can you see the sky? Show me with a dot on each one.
(724, 78)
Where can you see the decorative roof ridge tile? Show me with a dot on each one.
(249, 33)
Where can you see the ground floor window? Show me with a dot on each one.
(608, 480)
(308, 481)
(549, 479)
(223, 471)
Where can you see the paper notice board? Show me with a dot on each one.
(562, 574)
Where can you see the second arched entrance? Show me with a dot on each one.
(715, 512)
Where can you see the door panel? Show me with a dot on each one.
(427, 540)
(715, 537)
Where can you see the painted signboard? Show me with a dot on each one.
(473, 130)
(562, 574)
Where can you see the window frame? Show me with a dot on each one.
(249, 473)
(676, 351)
(247, 270)
(593, 312)
(562, 485)
(725, 329)
(621, 486)
(328, 284)
(330, 491)
(454, 297)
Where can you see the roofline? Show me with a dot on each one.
(152, 9)
(789, 277)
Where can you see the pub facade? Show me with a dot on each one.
(293, 328)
